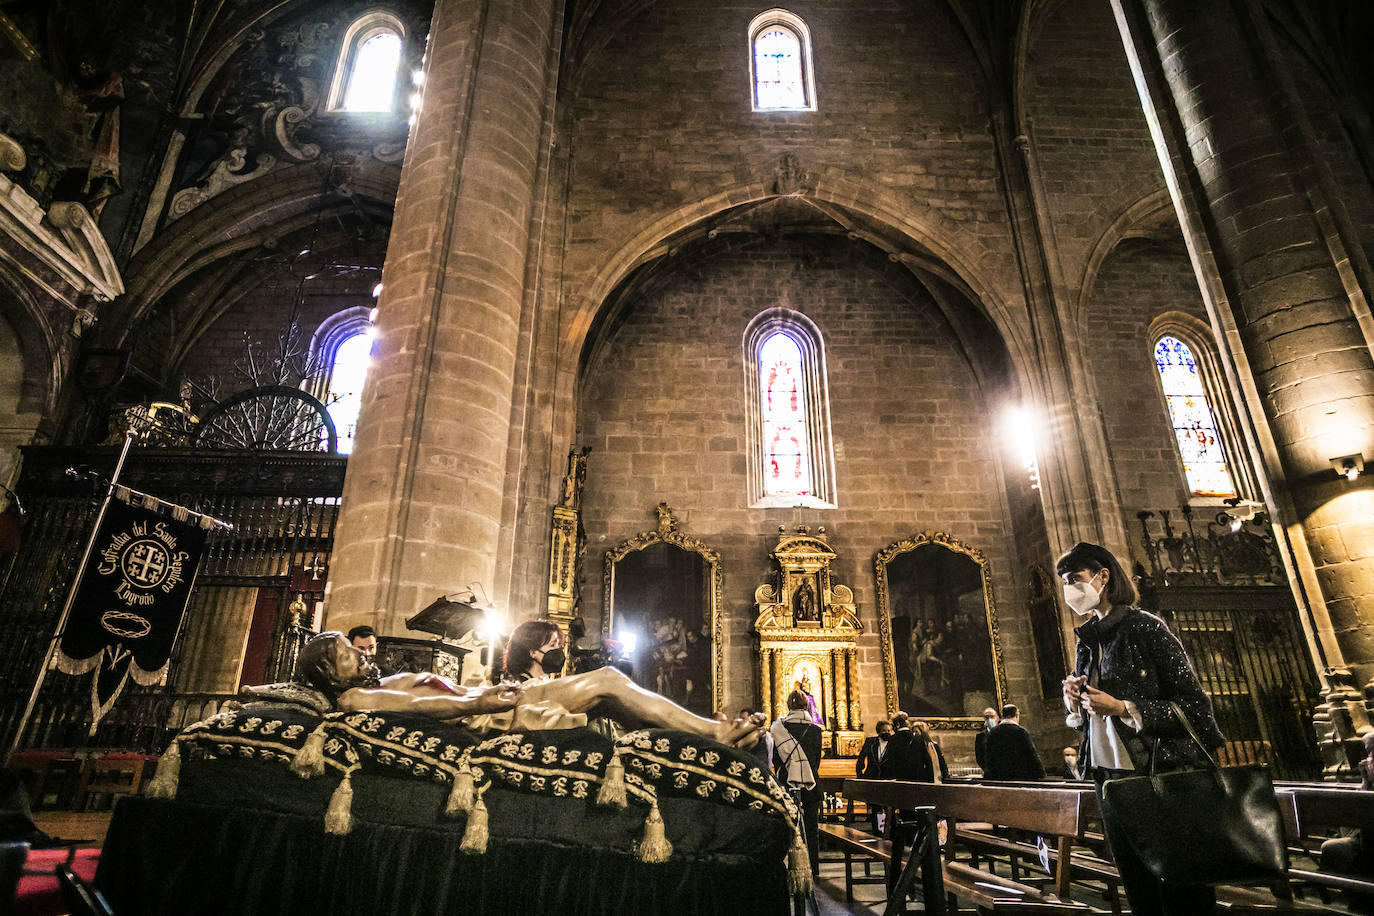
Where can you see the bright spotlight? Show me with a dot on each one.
(629, 640)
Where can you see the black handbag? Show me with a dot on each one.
(1215, 825)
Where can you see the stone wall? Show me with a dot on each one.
(1138, 282)
(663, 410)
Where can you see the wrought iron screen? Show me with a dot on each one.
(1225, 594)
(283, 508)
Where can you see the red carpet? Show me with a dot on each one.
(38, 893)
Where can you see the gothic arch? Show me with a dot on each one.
(964, 256)
(262, 211)
(1142, 219)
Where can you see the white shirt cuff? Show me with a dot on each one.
(1132, 716)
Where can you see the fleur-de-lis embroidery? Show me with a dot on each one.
(333, 746)
(680, 779)
(731, 793)
(395, 733)
(508, 750)
(550, 754)
(756, 805)
(655, 770)
(636, 763)
(537, 783)
(226, 750)
(372, 724)
(420, 769)
(642, 741)
(709, 758)
(736, 768)
(272, 726)
(526, 752)
(570, 757)
(755, 775)
(579, 789)
(688, 753)
(515, 777)
(594, 758)
(662, 745)
(251, 724)
(291, 731)
(386, 757)
(356, 719)
(704, 789)
(413, 739)
(450, 754)
(430, 744)
(560, 786)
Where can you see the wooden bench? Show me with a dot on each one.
(1056, 811)
(1311, 810)
(863, 845)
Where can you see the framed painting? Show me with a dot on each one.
(937, 622)
(662, 591)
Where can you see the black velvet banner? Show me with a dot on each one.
(129, 599)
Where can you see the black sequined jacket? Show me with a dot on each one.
(1136, 658)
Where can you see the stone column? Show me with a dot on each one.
(422, 503)
(1286, 299)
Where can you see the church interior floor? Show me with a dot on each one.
(88, 827)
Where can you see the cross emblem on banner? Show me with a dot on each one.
(145, 564)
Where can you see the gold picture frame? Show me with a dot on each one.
(882, 560)
(668, 533)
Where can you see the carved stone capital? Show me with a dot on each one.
(12, 157)
(68, 214)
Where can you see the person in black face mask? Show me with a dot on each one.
(542, 700)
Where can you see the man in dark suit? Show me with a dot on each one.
(908, 756)
(874, 750)
(1011, 753)
(980, 743)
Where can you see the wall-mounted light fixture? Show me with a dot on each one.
(1349, 466)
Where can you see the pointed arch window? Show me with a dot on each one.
(369, 61)
(780, 70)
(791, 456)
(342, 349)
(1196, 428)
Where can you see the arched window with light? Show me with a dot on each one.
(365, 79)
(343, 350)
(780, 70)
(791, 457)
(1196, 423)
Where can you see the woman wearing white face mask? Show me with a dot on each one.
(1128, 670)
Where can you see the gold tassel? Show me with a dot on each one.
(798, 865)
(476, 834)
(310, 758)
(338, 820)
(168, 775)
(462, 796)
(655, 847)
(612, 791)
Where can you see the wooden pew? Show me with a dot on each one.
(1057, 811)
(864, 846)
(1311, 810)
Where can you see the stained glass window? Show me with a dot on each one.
(778, 81)
(372, 79)
(782, 397)
(345, 398)
(1194, 424)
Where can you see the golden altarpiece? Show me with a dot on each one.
(808, 629)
